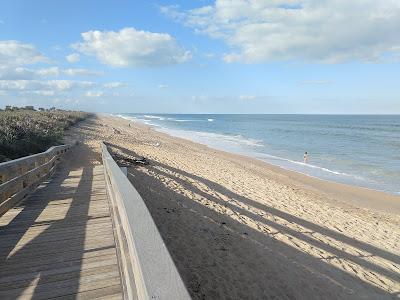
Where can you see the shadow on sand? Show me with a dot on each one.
(221, 255)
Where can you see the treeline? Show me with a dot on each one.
(27, 131)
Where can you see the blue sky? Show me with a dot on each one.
(223, 56)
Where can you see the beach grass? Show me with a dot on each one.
(26, 132)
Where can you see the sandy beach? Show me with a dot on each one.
(239, 228)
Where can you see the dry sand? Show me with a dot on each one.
(238, 228)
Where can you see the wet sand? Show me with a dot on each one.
(239, 228)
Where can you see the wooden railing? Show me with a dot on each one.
(147, 269)
(20, 176)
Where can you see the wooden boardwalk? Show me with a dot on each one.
(59, 241)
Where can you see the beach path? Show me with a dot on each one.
(59, 241)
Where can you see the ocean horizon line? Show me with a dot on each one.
(259, 114)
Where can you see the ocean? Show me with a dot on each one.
(361, 150)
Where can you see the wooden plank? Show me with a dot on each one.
(61, 189)
(54, 215)
(15, 229)
(49, 238)
(4, 250)
(53, 232)
(71, 203)
(12, 223)
(33, 240)
(63, 195)
(61, 217)
(71, 195)
(60, 265)
(66, 201)
(92, 206)
(75, 284)
(86, 226)
(109, 270)
(28, 275)
(77, 246)
(60, 201)
(18, 264)
(92, 294)
(15, 224)
(117, 296)
(71, 287)
(23, 262)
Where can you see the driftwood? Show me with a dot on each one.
(128, 160)
(123, 159)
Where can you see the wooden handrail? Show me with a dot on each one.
(147, 269)
(20, 176)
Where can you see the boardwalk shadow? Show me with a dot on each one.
(212, 236)
(42, 247)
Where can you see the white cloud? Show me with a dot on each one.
(307, 30)
(14, 53)
(113, 85)
(46, 93)
(49, 85)
(162, 86)
(62, 85)
(81, 72)
(14, 85)
(48, 72)
(73, 58)
(13, 73)
(94, 94)
(43, 92)
(247, 97)
(132, 48)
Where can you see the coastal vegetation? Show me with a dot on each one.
(25, 131)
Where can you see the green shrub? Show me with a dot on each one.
(24, 132)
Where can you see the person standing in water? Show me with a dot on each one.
(305, 157)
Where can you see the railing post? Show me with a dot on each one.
(19, 176)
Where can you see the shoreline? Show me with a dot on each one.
(360, 196)
(310, 170)
(239, 228)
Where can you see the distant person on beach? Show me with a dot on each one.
(305, 157)
(129, 124)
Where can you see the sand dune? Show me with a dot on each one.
(238, 228)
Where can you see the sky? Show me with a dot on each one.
(237, 56)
